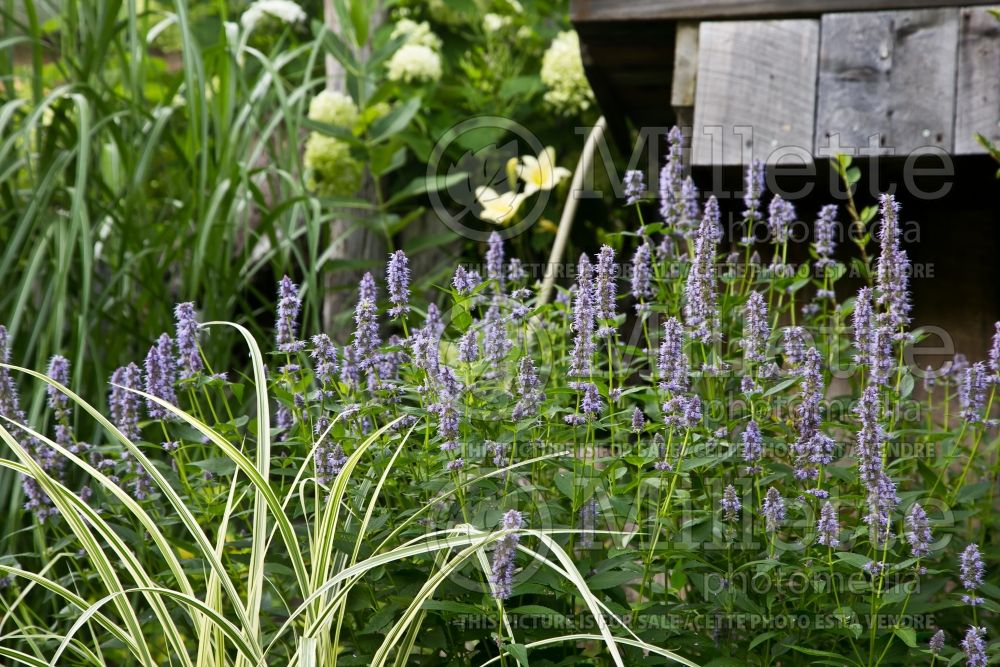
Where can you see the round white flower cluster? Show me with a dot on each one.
(285, 11)
(334, 108)
(495, 22)
(416, 33)
(331, 170)
(418, 60)
(562, 72)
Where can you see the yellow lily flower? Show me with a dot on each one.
(497, 208)
(541, 173)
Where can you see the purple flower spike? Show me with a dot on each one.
(755, 329)
(188, 355)
(918, 531)
(974, 646)
(972, 571)
(161, 374)
(503, 555)
(397, 274)
(730, 504)
(286, 325)
(126, 405)
(634, 185)
(773, 509)
(827, 527)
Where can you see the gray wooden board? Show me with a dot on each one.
(755, 79)
(890, 74)
(977, 102)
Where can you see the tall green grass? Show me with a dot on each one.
(133, 177)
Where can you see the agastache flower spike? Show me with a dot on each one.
(753, 447)
(324, 355)
(972, 571)
(812, 448)
(881, 490)
(638, 421)
(794, 343)
(464, 281)
(397, 274)
(773, 509)
(972, 391)
(689, 205)
(604, 289)
(503, 556)
(673, 362)
(700, 309)
(974, 646)
(188, 356)
(494, 262)
(753, 190)
(641, 273)
(124, 404)
(918, 531)
(828, 527)
(366, 336)
(583, 321)
(936, 644)
(286, 325)
(864, 326)
(755, 329)
(528, 386)
(994, 356)
(730, 504)
(825, 237)
(160, 376)
(892, 269)
(781, 215)
(670, 178)
(634, 185)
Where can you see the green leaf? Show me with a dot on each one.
(520, 653)
(424, 184)
(908, 635)
(360, 19)
(394, 121)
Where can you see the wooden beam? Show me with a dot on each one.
(887, 82)
(582, 11)
(978, 98)
(683, 86)
(756, 91)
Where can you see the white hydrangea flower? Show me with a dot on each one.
(285, 11)
(562, 72)
(333, 108)
(416, 33)
(495, 22)
(331, 170)
(414, 62)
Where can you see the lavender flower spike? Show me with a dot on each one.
(825, 237)
(936, 644)
(583, 321)
(755, 329)
(604, 289)
(730, 504)
(397, 275)
(918, 531)
(892, 269)
(161, 373)
(974, 646)
(773, 509)
(670, 178)
(494, 262)
(972, 572)
(753, 447)
(672, 363)
(700, 309)
(324, 355)
(828, 526)
(503, 556)
(126, 405)
(188, 355)
(286, 325)
(642, 272)
(754, 189)
(634, 185)
(366, 336)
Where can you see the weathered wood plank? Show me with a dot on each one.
(682, 89)
(756, 90)
(977, 103)
(678, 10)
(887, 81)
